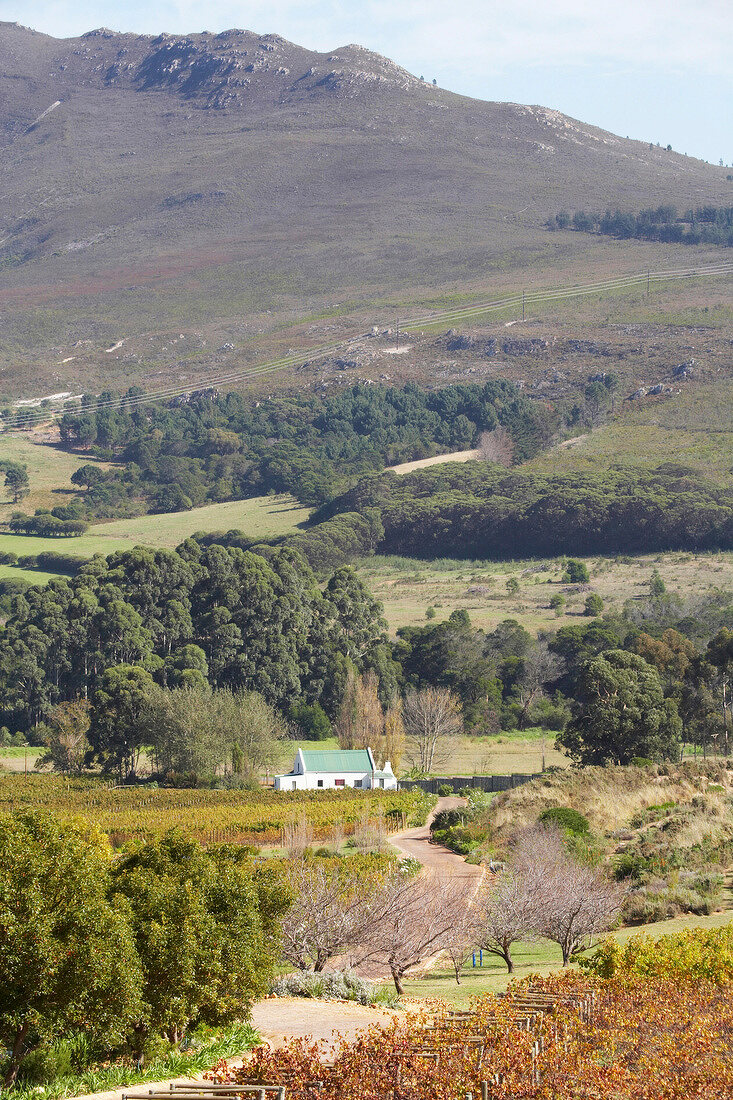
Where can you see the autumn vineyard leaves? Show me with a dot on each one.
(211, 817)
(571, 1036)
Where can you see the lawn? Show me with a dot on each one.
(540, 957)
(49, 471)
(693, 427)
(259, 517)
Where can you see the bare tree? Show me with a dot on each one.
(66, 741)
(540, 667)
(506, 912)
(459, 940)
(410, 920)
(329, 913)
(432, 719)
(575, 901)
(497, 446)
(297, 836)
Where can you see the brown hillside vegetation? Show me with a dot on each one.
(610, 796)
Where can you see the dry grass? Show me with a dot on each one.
(436, 460)
(407, 587)
(609, 797)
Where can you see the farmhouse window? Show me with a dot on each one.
(339, 782)
(320, 783)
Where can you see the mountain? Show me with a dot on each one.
(151, 184)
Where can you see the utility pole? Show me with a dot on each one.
(397, 323)
(648, 280)
(522, 305)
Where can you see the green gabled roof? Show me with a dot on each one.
(337, 760)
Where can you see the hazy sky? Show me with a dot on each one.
(659, 70)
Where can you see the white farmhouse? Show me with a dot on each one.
(326, 769)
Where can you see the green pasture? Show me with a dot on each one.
(260, 518)
(49, 472)
(693, 427)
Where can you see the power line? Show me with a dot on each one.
(519, 300)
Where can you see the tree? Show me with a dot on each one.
(409, 920)
(120, 705)
(16, 480)
(574, 901)
(459, 940)
(394, 736)
(657, 587)
(621, 713)
(512, 586)
(312, 721)
(576, 572)
(593, 605)
(200, 931)
(671, 654)
(539, 667)
(358, 624)
(68, 960)
(87, 476)
(720, 655)
(432, 719)
(199, 731)
(67, 746)
(329, 914)
(360, 722)
(507, 912)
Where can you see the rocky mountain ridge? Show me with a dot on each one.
(158, 185)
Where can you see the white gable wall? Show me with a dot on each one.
(317, 781)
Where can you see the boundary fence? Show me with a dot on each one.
(459, 782)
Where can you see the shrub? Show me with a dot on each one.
(334, 985)
(695, 954)
(576, 572)
(445, 790)
(570, 821)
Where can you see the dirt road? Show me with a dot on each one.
(279, 1019)
(434, 858)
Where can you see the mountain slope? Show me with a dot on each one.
(239, 173)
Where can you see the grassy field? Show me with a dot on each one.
(499, 755)
(49, 471)
(694, 428)
(407, 587)
(260, 517)
(540, 957)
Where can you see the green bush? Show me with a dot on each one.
(571, 821)
(445, 790)
(695, 954)
(60, 1059)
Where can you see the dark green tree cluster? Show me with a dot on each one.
(702, 225)
(48, 524)
(480, 510)
(164, 939)
(504, 678)
(215, 448)
(213, 614)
